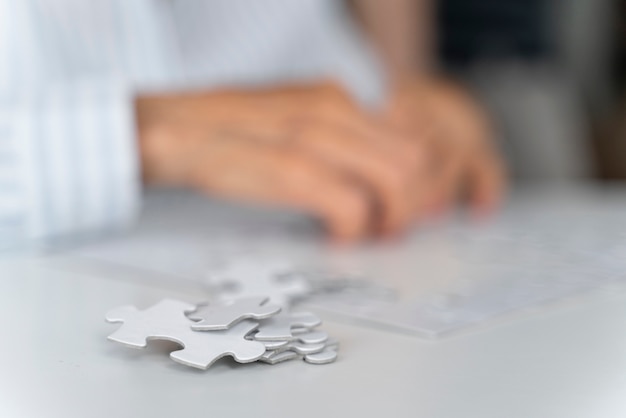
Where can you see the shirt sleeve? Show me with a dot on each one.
(68, 162)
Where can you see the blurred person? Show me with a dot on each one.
(329, 107)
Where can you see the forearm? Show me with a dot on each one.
(403, 32)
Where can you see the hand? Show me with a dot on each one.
(305, 147)
(459, 138)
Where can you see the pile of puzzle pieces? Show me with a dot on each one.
(247, 329)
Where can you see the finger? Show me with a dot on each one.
(410, 152)
(448, 180)
(441, 173)
(406, 151)
(439, 164)
(276, 115)
(327, 103)
(389, 184)
(250, 171)
(487, 182)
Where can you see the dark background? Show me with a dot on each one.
(493, 29)
(550, 31)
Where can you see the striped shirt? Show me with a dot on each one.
(70, 69)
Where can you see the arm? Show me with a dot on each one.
(307, 147)
(72, 150)
(437, 112)
(403, 33)
(67, 148)
(69, 162)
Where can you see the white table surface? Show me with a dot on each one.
(55, 360)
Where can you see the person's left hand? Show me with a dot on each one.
(459, 137)
(308, 147)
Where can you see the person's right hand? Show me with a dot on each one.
(457, 131)
(305, 147)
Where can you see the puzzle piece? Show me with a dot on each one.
(259, 278)
(275, 345)
(167, 321)
(280, 327)
(300, 348)
(274, 358)
(304, 349)
(226, 314)
(324, 357)
(311, 337)
(304, 335)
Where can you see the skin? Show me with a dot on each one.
(307, 147)
(432, 109)
(312, 148)
(466, 165)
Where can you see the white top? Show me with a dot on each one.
(69, 70)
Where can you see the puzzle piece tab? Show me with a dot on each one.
(329, 355)
(311, 337)
(280, 327)
(167, 321)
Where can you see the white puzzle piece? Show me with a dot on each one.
(301, 348)
(274, 358)
(223, 315)
(275, 345)
(311, 337)
(329, 355)
(280, 327)
(259, 278)
(167, 321)
(305, 349)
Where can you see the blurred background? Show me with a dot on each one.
(552, 72)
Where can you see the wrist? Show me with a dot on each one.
(158, 143)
